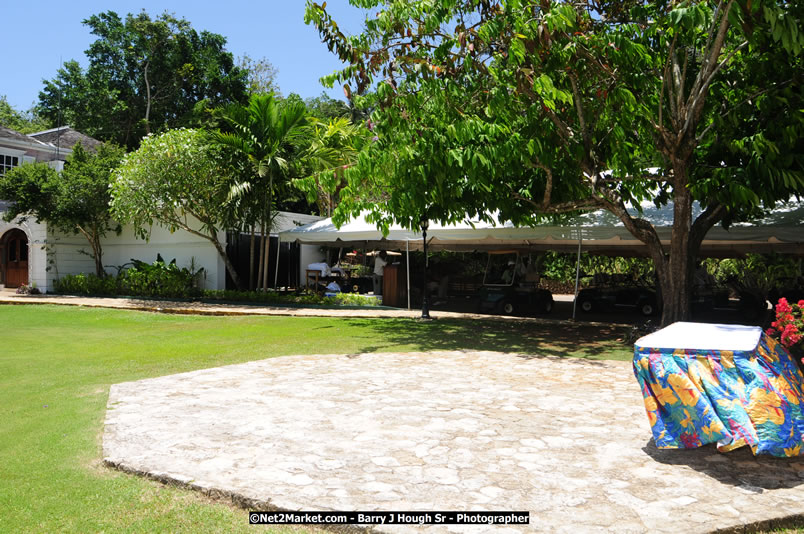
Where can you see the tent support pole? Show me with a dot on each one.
(407, 268)
(577, 273)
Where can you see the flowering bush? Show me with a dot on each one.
(789, 323)
(25, 289)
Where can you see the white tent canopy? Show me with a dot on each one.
(600, 231)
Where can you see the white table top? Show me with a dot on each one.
(702, 336)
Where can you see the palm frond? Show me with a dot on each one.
(238, 189)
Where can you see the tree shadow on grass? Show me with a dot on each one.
(740, 467)
(577, 340)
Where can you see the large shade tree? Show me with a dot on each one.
(263, 133)
(75, 200)
(180, 181)
(144, 74)
(541, 108)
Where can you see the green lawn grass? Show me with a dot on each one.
(57, 363)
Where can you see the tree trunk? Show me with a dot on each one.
(212, 238)
(267, 257)
(261, 256)
(93, 237)
(269, 224)
(251, 260)
(98, 252)
(230, 268)
(147, 100)
(677, 288)
(100, 271)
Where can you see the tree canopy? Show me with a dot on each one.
(75, 200)
(178, 180)
(261, 75)
(144, 75)
(536, 109)
(325, 107)
(21, 121)
(334, 146)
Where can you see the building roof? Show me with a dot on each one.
(65, 138)
(286, 220)
(8, 133)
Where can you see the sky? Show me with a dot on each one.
(45, 33)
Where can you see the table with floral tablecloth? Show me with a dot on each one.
(727, 384)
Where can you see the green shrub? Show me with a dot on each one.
(158, 279)
(354, 299)
(280, 299)
(86, 284)
(268, 297)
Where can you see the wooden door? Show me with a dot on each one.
(394, 287)
(16, 251)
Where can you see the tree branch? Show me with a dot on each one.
(587, 142)
(84, 233)
(561, 207)
(639, 228)
(673, 89)
(563, 129)
(665, 75)
(148, 98)
(699, 89)
(548, 188)
(187, 228)
(590, 203)
(698, 102)
(703, 223)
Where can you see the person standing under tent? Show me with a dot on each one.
(379, 268)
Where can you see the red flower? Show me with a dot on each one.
(790, 335)
(789, 322)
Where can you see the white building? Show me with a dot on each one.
(32, 253)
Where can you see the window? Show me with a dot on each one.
(7, 163)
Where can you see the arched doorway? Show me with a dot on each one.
(14, 262)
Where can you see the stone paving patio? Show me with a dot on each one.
(567, 440)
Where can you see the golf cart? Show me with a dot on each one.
(510, 287)
(612, 292)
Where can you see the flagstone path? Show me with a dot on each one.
(565, 439)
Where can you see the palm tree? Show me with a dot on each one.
(264, 132)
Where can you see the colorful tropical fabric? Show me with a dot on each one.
(733, 398)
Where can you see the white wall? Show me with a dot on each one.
(186, 248)
(65, 256)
